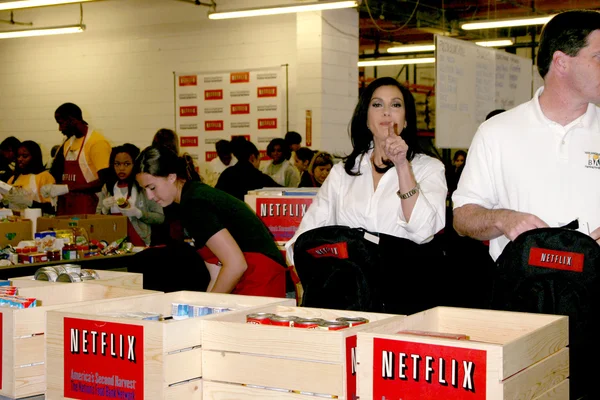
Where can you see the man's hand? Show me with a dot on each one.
(513, 223)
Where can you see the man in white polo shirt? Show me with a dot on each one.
(538, 164)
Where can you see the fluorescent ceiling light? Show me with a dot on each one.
(413, 48)
(495, 43)
(55, 30)
(15, 5)
(506, 23)
(403, 61)
(284, 9)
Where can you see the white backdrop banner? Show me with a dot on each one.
(210, 106)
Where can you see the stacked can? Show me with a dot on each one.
(304, 323)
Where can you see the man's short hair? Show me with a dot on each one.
(566, 32)
(293, 137)
(223, 147)
(70, 110)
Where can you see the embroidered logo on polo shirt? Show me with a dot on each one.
(593, 160)
(336, 250)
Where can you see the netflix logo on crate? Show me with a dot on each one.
(213, 125)
(103, 360)
(266, 91)
(240, 109)
(239, 77)
(188, 80)
(213, 94)
(188, 111)
(267, 123)
(413, 371)
(210, 155)
(282, 215)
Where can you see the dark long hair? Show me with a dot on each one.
(361, 136)
(133, 152)
(161, 161)
(36, 165)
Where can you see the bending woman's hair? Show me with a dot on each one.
(161, 161)
(361, 136)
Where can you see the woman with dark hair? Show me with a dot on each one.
(279, 168)
(318, 170)
(387, 184)
(30, 175)
(302, 158)
(237, 248)
(121, 195)
(8, 157)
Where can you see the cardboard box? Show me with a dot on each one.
(97, 226)
(165, 361)
(15, 231)
(23, 332)
(507, 355)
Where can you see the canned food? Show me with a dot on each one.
(60, 269)
(69, 277)
(279, 320)
(46, 275)
(333, 325)
(308, 323)
(199, 311)
(143, 315)
(89, 274)
(217, 310)
(72, 267)
(259, 318)
(353, 321)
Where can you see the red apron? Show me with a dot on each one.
(264, 276)
(76, 202)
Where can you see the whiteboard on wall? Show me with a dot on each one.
(471, 81)
(210, 106)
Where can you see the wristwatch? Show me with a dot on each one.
(408, 194)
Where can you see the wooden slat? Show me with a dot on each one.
(29, 350)
(183, 366)
(8, 353)
(224, 391)
(30, 381)
(273, 372)
(559, 392)
(538, 378)
(192, 390)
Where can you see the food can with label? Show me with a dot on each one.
(69, 277)
(280, 320)
(46, 275)
(353, 321)
(89, 274)
(259, 318)
(199, 311)
(308, 323)
(333, 325)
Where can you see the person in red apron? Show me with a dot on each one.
(81, 163)
(238, 249)
(121, 195)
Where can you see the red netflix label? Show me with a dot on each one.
(239, 77)
(267, 123)
(351, 368)
(188, 80)
(415, 371)
(188, 141)
(103, 360)
(210, 155)
(213, 94)
(335, 250)
(240, 109)
(266, 91)
(188, 111)
(263, 155)
(282, 215)
(563, 260)
(213, 125)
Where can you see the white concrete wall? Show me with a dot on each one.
(120, 71)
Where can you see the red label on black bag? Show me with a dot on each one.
(336, 250)
(555, 259)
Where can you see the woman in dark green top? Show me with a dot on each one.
(237, 247)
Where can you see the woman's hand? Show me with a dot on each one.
(395, 147)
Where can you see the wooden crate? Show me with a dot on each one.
(132, 280)
(508, 356)
(22, 332)
(168, 355)
(290, 359)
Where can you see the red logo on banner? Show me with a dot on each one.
(103, 360)
(188, 141)
(213, 125)
(247, 137)
(563, 260)
(239, 77)
(213, 94)
(282, 215)
(188, 80)
(188, 111)
(267, 123)
(266, 91)
(414, 371)
(240, 109)
(335, 250)
(210, 155)
(351, 368)
(263, 155)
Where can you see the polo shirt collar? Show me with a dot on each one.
(588, 121)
